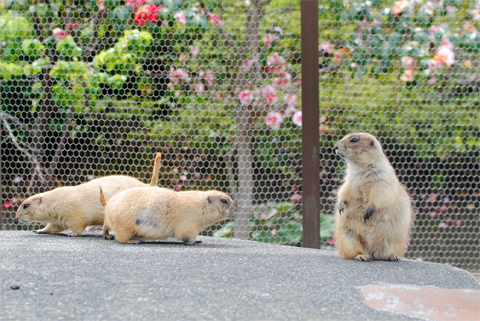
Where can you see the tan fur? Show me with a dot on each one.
(76, 207)
(157, 213)
(374, 213)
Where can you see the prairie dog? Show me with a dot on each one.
(374, 213)
(157, 213)
(76, 207)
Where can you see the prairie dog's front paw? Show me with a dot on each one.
(368, 214)
(341, 207)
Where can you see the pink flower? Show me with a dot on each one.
(200, 88)
(432, 80)
(209, 77)
(208, 179)
(180, 18)
(442, 225)
(274, 232)
(136, 3)
(339, 55)
(297, 118)
(194, 50)
(326, 47)
(290, 111)
(183, 58)
(275, 64)
(331, 241)
(407, 62)
(408, 75)
(269, 38)
(146, 13)
(458, 223)
(447, 43)
(248, 3)
(270, 94)
(274, 120)
(399, 7)
(59, 34)
(296, 198)
(213, 18)
(290, 100)
(285, 78)
(183, 178)
(469, 28)
(249, 64)
(433, 214)
(446, 54)
(71, 25)
(178, 187)
(263, 216)
(245, 97)
(475, 14)
(177, 75)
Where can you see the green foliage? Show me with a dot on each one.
(13, 30)
(33, 47)
(68, 48)
(279, 223)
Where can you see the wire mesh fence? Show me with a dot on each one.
(93, 88)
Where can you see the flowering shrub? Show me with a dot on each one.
(424, 36)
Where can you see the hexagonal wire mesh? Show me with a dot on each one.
(92, 88)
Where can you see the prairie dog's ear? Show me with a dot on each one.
(209, 199)
(372, 143)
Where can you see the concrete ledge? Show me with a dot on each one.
(89, 278)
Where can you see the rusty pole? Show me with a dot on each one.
(310, 126)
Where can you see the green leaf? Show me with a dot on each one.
(33, 47)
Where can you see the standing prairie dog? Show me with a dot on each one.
(157, 213)
(374, 213)
(76, 207)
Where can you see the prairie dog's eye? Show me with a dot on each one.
(224, 201)
(25, 206)
(354, 140)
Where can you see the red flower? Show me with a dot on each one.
(136, 3)
(146, 13)
(216, 20)
(7, 204)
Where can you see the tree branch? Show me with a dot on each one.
(15, 121)
(24, 151)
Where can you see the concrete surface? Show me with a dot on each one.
(89, 278)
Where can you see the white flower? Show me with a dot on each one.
(297, 118)
(180, 18)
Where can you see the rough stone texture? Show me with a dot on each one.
(221, 279)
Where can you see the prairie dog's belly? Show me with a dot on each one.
(153, 225)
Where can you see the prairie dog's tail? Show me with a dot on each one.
(102, 196)
(156, 168)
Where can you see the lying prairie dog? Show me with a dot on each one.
(76, 207)
(157, 213)
(374, 214)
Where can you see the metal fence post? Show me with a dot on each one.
(1, 170)
(310, 126)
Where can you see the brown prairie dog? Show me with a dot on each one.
(374, 213)
(76, 207)
(157, 213)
